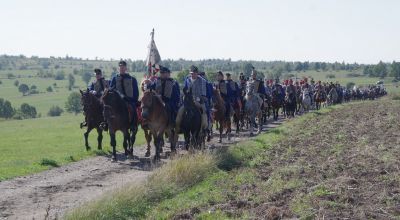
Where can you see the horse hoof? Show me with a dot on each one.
(114, 158)
(87, 148)
(147, 154)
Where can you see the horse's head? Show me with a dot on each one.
(86, 99)
(147, 103)
(188, 98)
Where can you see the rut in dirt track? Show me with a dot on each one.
(51, 193)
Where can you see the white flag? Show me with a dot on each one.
(153, 56)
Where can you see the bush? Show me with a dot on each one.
(55, 111)
(48, 162)
(350, 85)
(23, 88)
(73, 103)
(1, 82)
(28, 111)
(10, 76)
(6, 110)
(49, 89)
(330, 76)
(16, 83)
(33, 87)
(60, 75)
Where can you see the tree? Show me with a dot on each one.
(75, 71)
(180, 77)
(16, 83)
(248, 67)
(33, 87)
(28, 111)
(212, 76)
(86, 76)
(288, 67)
(1, 82)
(299, 66)
(6, 110)
(49, 89)
(380, 70)
(23, 88)
(71, 81)
(395, 70)
(73, 103)
(55, 111)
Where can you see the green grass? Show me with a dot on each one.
(24, 143)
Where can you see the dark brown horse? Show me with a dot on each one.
(276, 103)
(93, 110)
(155, 116)
(119, 118)
(319, 98)
(219, 115)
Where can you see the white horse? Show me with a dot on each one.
(253, 108)
(306, 100)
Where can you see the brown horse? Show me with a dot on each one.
(93, 110)
(219, 115)
(119, 118)
(155, 116)
(143, 86)
(319, 98)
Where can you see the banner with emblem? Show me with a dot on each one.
(153, 59)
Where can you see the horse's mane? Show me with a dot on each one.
(120, 105)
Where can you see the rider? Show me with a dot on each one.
(290, 88)
(127, 87)
(208, 103)
(169, 91)
(277, 87)
(234, 86)
(98, 86)
(258, 84)
(226, 93)
(198, 87)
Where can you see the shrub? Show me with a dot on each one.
(23, 88)
(16, 83)
(6, 110)
(350, 85)
(55, 111)
(10, 76)
(48, 162)
(49, 89)
(28, 111)
(330, 76)
(60, 75)
(73, 103)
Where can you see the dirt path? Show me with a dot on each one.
(50, 193)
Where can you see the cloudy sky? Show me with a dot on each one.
(363, 31)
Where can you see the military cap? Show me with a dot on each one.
(164, 69)
(122, 63)
(97, 71)
(194, 69)
(227, 74)
(220, 73)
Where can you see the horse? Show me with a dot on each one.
(306, 100)
(118, 117)
(253, 110)
(191, 125)
(332, 96)
(220, 115)
(93, 111)
(290, 104)
(155, 115)
(276, 103)
(319, 98)
(143, 124)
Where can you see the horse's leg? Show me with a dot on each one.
(171, 137)
(221, 129)
(228, 130)
(99, 138)
(157, 143)
(126, 142)
(113, 144)
(86, 135)
(147, 135)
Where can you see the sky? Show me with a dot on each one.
(363, 31)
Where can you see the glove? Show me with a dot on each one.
(93, 92)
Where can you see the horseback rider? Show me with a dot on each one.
(97, 88)
(198, 87)
(278, 89)
(169, 91)
(290, 88)
(226, 93)
(127, 87)
(234, 86)
(208, 103)
(99, 85)
(258, 84)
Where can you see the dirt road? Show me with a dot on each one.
(50, 193)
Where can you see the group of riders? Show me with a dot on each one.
(244, 100)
